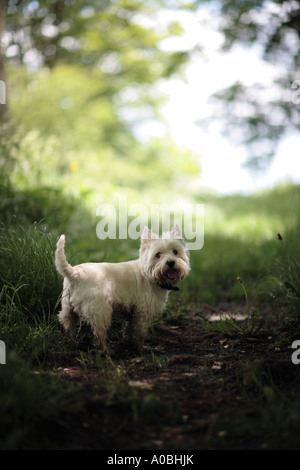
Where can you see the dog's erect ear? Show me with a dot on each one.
(148, 235)
(176, 232)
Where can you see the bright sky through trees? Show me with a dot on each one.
(221, 160)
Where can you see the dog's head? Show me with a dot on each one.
(164, 260)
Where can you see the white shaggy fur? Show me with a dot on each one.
(138, 289)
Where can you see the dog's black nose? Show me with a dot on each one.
(170, 263)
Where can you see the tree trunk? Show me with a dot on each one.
(3, 88)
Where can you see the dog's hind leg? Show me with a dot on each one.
(68, 317)
(100, 323)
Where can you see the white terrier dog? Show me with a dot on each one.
(138, 289)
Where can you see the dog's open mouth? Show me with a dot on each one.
(171, 279)
(171, 274)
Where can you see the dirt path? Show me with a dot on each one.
(181, 394)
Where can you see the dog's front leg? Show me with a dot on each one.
(140, 330)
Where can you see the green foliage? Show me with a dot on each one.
(8, 154)
(89, 32)
(97, 55)
(90, 86)
(85, 146)
(46, 204)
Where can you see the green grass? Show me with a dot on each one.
(270, 416)
(240, 240)
(28, 277)
(30, 287)
(31, 401)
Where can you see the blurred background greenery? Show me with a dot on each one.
(82, 80)
(87, 83)
(83, 77)
(79, 77)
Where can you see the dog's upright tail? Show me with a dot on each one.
(62, 265)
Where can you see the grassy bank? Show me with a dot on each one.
(210, 384)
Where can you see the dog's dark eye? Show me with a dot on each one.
(175, 252)
(157, 255)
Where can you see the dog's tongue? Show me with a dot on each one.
(171, 274)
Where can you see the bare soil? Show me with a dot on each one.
(191, 389)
